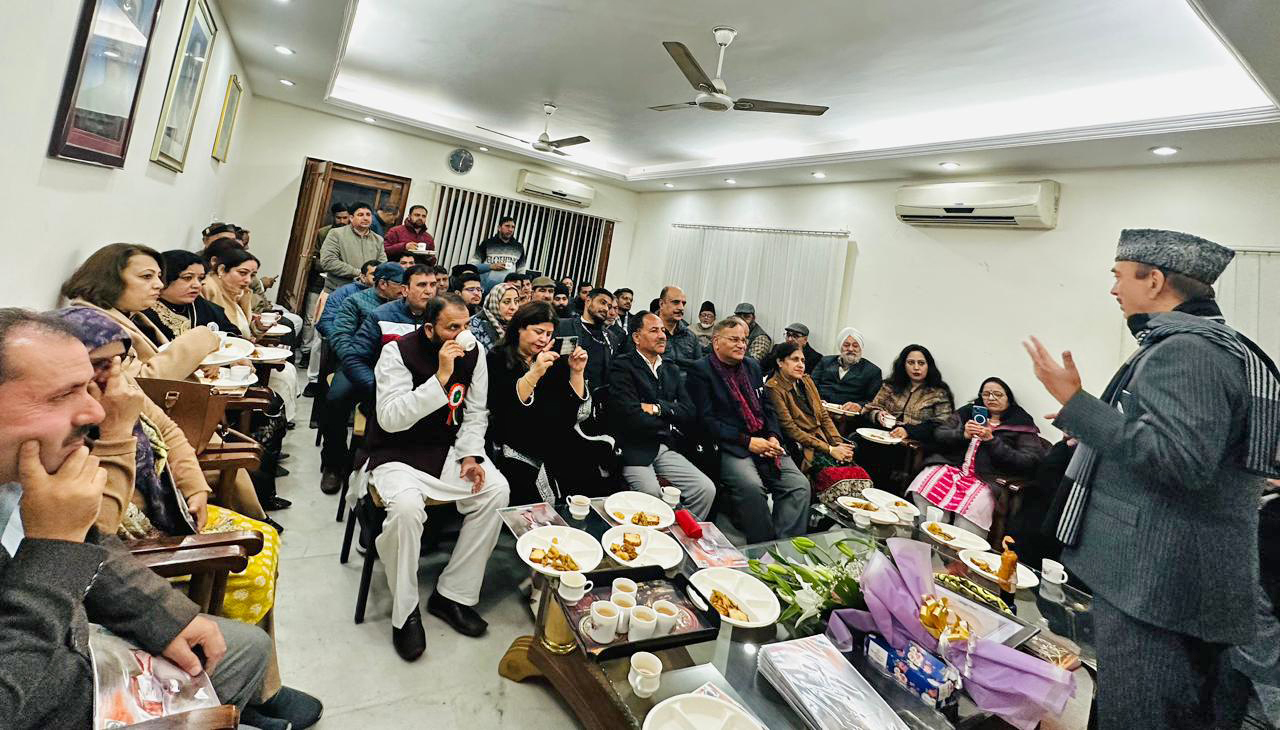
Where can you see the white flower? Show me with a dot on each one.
(809, 602)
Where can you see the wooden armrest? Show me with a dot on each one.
(248, 462)
(172, 564)
(250, 540)
(226, 717)
(247, 403)
(231, 435)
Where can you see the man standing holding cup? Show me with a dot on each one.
(1170, 462)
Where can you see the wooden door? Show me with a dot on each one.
(325, 183)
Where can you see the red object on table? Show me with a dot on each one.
(685, 519)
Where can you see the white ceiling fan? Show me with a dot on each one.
(544, 143)
(713, 95)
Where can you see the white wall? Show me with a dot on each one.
(281, 136)
(59, 211)
(971, 296)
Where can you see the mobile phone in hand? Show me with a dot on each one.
(564, 345)
(981, 415)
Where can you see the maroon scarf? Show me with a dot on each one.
(735, 379)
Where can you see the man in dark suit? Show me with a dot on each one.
(726, 386)
(1161, 517)
(648, 404)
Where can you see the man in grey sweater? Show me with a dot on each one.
(346, 248)
(1161, 518)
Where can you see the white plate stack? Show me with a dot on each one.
(823, 688)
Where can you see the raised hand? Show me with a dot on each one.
(121, 399)
(62, 505)
(1061, 380)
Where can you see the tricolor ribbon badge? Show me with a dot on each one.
(457, 392)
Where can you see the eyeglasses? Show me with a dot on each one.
(472, 289)
(992, 396)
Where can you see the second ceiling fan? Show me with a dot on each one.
(713, 95)
(544, 143)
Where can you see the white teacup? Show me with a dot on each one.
(624, 585)
(645, 674)
(671, 496)
(579, 506)
(862, 521)
(624, 602)
(888, 420)
(644, 622)
(466, 339)
(668, 614)
(604, 622)
(222, 337)
(1053, 571)
(573, 586)
(239, 372)
(268, 319)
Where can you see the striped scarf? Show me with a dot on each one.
(1203, 318)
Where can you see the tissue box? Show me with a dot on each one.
(923, 674)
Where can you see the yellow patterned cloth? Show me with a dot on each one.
(252, 591)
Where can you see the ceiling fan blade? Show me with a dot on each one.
(674, 107)
(777, 107)
(559, 152)
(568, 141)
(689, 66)
(503, 134)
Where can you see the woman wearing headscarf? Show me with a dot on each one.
(973, 452)
(848, 379)
(489, 325)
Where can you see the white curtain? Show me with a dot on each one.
(790, 276)
(1249, 294)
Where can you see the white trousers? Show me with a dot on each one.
(285, 384)
(403, 490)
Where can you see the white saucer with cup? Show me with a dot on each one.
(573, 586)
(668, 615)
(645, 674)
(671, 496)
(644, 622)
(240, 372)
(1053, 571)
(579, 507)
(604, 622)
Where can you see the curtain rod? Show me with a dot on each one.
(1257, 250)
(844, 234)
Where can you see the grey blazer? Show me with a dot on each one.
(1170, 532)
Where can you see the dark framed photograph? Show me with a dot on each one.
(104, 76)
(186, 82)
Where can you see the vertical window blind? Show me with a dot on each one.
(1249, 294)
(557, 242)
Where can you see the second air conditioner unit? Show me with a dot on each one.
(541, 185)
(980, 204)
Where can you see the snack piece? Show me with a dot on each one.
(632, 538)
(552, 558)
(625, 550)
(984, 565)
(537, 556)
(644, 519)
(725, 606)
(936, 529)
(864, 506)
(620, 515)
(900, 503)
(1008, 564)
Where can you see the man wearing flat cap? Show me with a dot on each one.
(798, 333)
(1161, 515)
(759, 343)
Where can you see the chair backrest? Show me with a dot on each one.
(193, 406)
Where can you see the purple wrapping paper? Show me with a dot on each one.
(1018, 687)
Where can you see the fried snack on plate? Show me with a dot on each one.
(644, 519)
(727, 608)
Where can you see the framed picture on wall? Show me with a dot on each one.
(227, 122)
(104, 76)
(186, 81)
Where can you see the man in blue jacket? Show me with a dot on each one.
(335, 456)
(726, 386)
(326, 363)
(387, 322)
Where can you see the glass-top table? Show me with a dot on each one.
(730, 662)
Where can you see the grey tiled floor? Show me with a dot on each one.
(353, 669)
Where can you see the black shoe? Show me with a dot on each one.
(330, 482)
(314, 424)
(410, 640)
(252, 718)
(282, 456)
(278, 527)
(274, 503)
(311, 390)
(296, 707)
(463, 619)
(281, 471)
(289, 425)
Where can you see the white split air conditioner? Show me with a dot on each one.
(980, 204)
(566, 191)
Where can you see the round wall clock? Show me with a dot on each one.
(461, 161)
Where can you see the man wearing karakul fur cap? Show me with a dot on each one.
(1161, 518)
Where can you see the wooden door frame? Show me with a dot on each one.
(606, 242)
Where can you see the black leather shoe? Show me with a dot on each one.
(282, 456)
(273, 503)
(410, 640)
(281, 471)
(279, 527)
(311, 390)
(330, 483)
(463, 619)
(296, 707)
(289, 426)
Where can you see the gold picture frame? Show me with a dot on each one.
(186, 84)
(227, 121)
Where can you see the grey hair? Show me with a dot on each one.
(727, 323)
(14, 320)
(1181, 284)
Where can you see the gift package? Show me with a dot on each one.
(923, 674)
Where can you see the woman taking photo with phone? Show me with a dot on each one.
(990, 438)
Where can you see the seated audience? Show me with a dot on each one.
(410, 237)
(959, 478)
(812, 438)
(567, 283)
(345, 248)
(759, 343)
(490, 324)
(471, 287)
(427, 442)
(705, 324)
(387, 322)
(584, 295)
(442, 278)
(181, 305)
(122, 280)
(498, 255)
(754, 466)
(407, 260)
(544, 290)
(849, 380)
(622, 300)
(683, 349)
(648, 407)
(535, 396)
(58, 572)
(333, 302)
(560, 300)
(799, 334)
(593, 335)
(914, 399)
(613, 325)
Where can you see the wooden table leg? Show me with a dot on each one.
(515, 664)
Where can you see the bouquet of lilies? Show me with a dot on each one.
(817, 582)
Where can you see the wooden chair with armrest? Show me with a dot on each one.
(207, 559)
(224, 717)
(1008, 493)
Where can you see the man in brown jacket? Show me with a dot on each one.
(57, 572)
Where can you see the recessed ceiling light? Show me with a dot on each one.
(668, 185)
(1164, 151)
(949, 165)
(285, 51)
(286, 82)
(371, 120)
(819, 174)
(730, 181)
(484, 149)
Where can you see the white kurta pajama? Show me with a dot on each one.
(404, 488)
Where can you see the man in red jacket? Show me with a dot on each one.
(412, 231)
